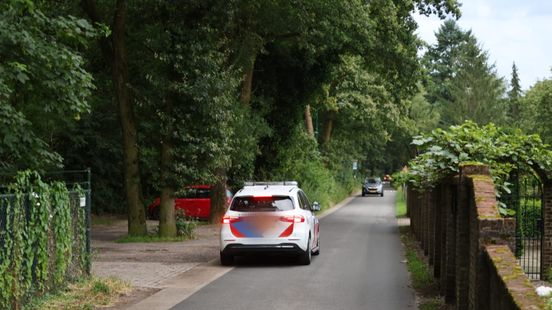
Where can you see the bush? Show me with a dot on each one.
(185, 226)
(301, 161)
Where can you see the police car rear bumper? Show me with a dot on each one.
(244, 249)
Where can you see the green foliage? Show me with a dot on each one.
(443, 151)
(427, 289)
(43, 83)
(536, 110)
(41, 246)
(531, 214)
(301, 161)
(86, 293)
(514, 96)
(462, 83)
(400, 203)
(62, 228)
(185, 226)
(186, 64)
(150, 238)
(422, 279)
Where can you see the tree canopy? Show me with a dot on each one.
(44, 85)
(461, 81)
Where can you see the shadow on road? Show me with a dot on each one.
(265, 260)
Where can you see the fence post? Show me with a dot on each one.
(438, 220)
(448, 273)
(88, 219)
(431, 225)
(546, 254)
(463, 225)
(514, 202)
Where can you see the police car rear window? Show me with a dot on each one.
(261, 204)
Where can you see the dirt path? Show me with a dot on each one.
(146, 266)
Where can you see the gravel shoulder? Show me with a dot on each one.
(148, 267)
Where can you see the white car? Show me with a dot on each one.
(270, 217)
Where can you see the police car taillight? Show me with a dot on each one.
(292, 219)
(229, 219)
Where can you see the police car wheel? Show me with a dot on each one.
(226, 260)
(305, 257)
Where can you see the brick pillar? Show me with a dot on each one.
(431, 225)
(462, 245)
(477, 284)
(419, 216)
(425, 228)
(546, 256)
(412, 201)
(449, 279)
(411, 208)
(438, 219)
(415, 215)
(423, 210)
(406, 191)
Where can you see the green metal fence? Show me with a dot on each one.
(526, 200)
(44, 238)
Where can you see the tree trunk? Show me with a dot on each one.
(308, 121)
(218, 196)
(328, 127)
(136, 211)
(115, 54)
(167, 223)
(245, 94)
(218, 189)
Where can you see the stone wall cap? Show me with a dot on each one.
(474, 168)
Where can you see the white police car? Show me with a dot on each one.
(270, 217)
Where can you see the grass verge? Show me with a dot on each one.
(400, 203)
(426, 287)
(151, 238)
(88, 293)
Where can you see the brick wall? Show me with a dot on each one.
(508, 287)
(460, 229)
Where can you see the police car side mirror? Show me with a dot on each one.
(315, 206)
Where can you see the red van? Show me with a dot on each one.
(195, 200)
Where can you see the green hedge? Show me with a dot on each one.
(42, 239)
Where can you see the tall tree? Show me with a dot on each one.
(115, 54)
(514, 95)
(441, 60)
(536, 110)
(463, 84)
(191, 90)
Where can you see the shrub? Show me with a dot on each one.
(185, 226)
(301, 161)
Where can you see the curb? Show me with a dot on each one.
(180, 287)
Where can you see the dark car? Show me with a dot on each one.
(195, 200)
(372, 185)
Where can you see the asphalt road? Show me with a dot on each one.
(359, 267)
